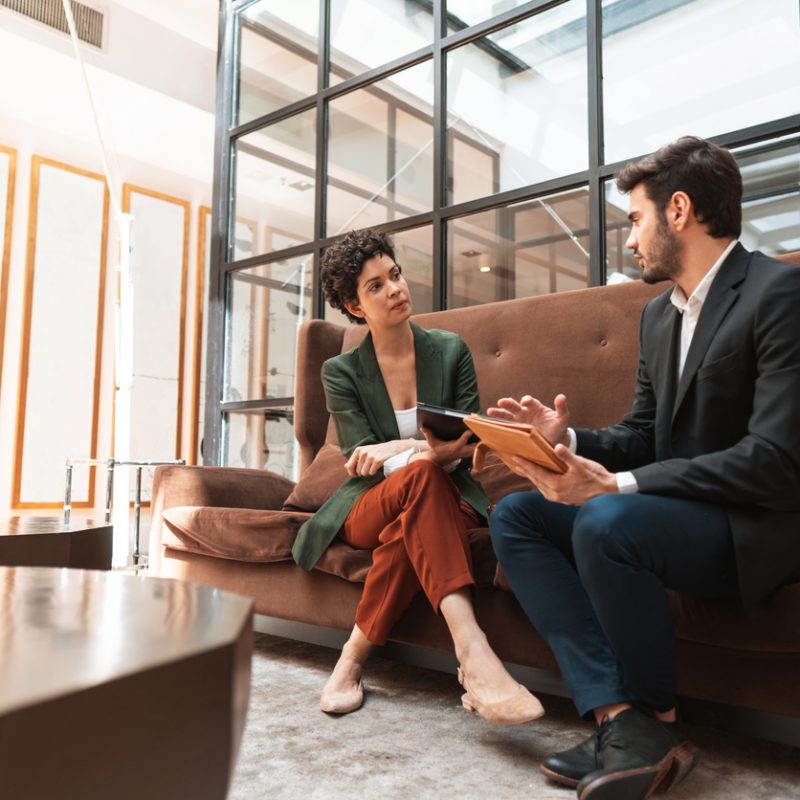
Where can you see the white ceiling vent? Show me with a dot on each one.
(88, 21)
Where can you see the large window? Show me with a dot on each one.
(484, 136)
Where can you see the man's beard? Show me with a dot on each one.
(664, 257)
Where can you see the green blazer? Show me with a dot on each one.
(357, 400)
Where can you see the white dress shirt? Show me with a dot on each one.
(689, 309)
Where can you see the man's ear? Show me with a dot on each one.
(680, 210)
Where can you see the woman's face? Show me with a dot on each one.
(383, 299)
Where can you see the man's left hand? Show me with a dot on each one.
(583, 480)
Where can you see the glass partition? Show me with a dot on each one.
(530, 248)
(266, 304)
(277, 59)
(262, 439)
(702, 67)
(517, 105)
(369, 33)
(275, 177)
(380, 151)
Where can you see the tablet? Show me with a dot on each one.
(443, 423)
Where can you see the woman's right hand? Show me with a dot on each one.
(367, 459)
(552, 423)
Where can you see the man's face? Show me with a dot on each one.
(655, 246)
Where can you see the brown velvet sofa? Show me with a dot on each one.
(233, 528)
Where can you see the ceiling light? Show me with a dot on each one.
(471, 253)
(485, 269)
(301, 186)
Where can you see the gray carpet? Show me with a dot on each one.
(411, 739)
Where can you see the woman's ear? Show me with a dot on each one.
(354, 308)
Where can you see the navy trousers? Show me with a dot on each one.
(591, 580)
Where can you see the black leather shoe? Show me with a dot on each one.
(569, 766)
(639, 755)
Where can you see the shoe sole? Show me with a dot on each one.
(641, 784)
(558, 778)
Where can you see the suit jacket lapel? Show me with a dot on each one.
(721, 297)
(667, 329)
(378, 406)
(429, 367)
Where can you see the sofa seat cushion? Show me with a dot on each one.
(240, 534)
(722, 623)
(497, 480)
(320, 479)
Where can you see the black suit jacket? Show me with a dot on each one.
(729, 431)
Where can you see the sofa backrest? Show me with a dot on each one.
(583, 343)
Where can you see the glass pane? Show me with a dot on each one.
(517, 105)
(274, 187)
(370, 33)
(261, 440)
(771, 207)
(461, 13)
(266, 304)
(620, 263)
(737, 65)
(770, 210)
(277, 59)
(414, 252)
(535, 247)
(380, 148)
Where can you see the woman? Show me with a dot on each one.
(409, 499)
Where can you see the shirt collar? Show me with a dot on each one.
(679, 299)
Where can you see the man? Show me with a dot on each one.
(697, 489)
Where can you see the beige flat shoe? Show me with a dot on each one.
(332, 702)
(520, 707)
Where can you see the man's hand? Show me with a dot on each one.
(583, 480)
(369, 458)
(551, 422)
(443, 452)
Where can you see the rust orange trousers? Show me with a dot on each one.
(416, 524)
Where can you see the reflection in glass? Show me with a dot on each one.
(277, 59)
(266, 304)
(261, 439)
(771, 207)
(517, 104)
(620, 263)
(535, 247)
(414, 252)
(461, 13)
(770, 210)
(370, 33)
(380, 148)
(275, 181)
(737, 65)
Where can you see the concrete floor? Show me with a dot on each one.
(411, 739)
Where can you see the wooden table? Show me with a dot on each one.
(119, 686)
(47, 542)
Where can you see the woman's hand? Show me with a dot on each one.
(369, 458)
(551, 422)
(443, 452)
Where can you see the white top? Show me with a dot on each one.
(407, 428)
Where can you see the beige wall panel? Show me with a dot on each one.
(61, 348)
(8, 170)
(159, 262)
(200, 331)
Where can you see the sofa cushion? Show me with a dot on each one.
(240, 534)
(722, 623)
(323, 476)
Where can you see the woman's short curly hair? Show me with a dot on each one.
(342, 263)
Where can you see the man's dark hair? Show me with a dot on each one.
(343, 261)
(707, 173)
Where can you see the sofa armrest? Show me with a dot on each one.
(225, 487)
